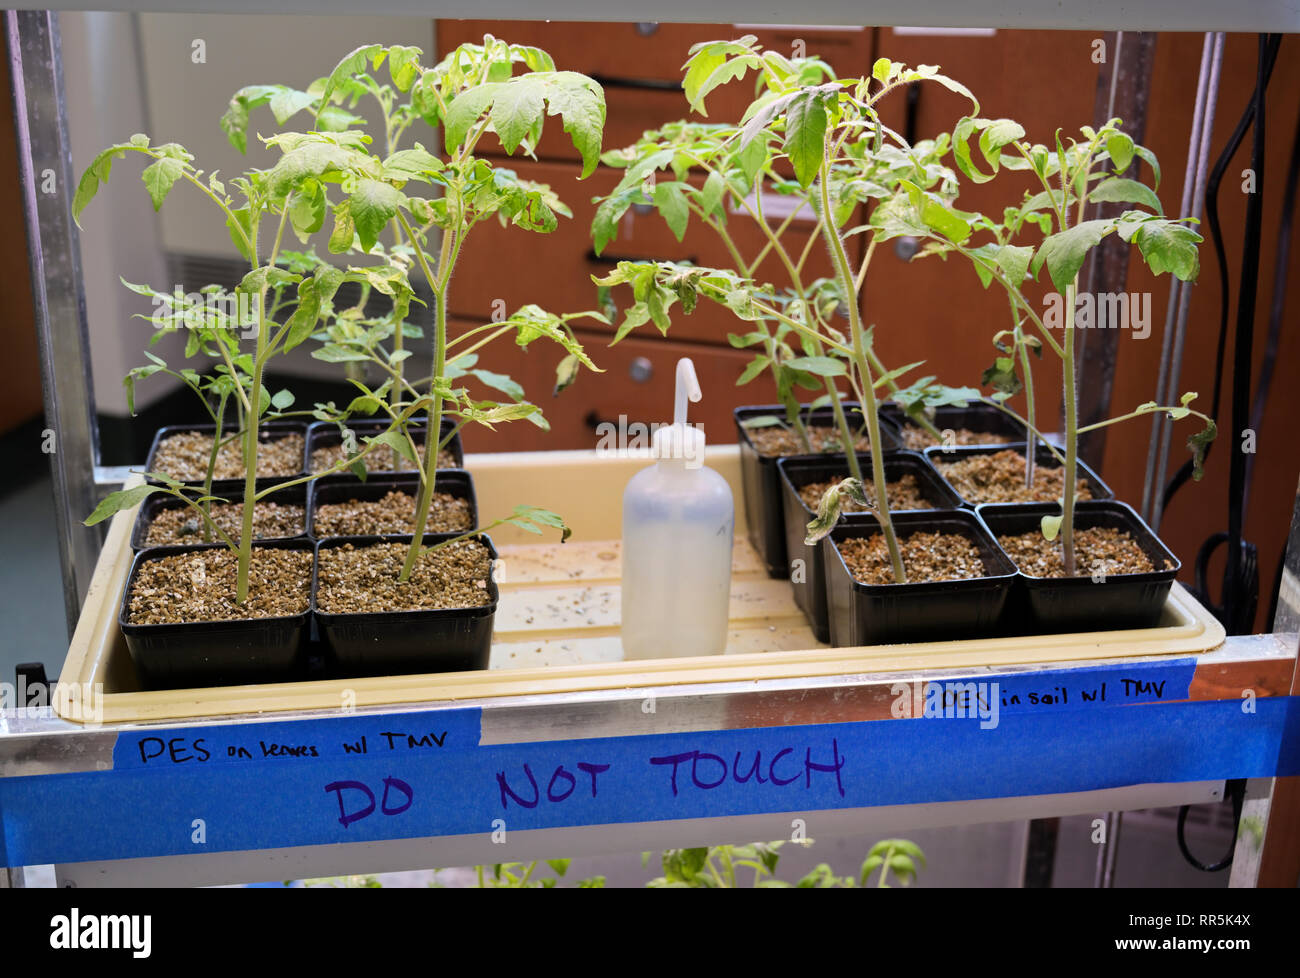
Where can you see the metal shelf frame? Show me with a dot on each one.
(44, 752)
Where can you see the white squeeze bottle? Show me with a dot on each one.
(678, 521)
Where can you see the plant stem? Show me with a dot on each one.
(434, 433)
(840, 259)
(251, 428)
(212, 464)
(1071, 435)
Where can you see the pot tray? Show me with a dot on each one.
(557, 625)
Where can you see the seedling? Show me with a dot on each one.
(1086, 171)
(829, 135)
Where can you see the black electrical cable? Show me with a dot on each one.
(1236, 791)
(1215, 227)
(1241, 576)
(1278, 305)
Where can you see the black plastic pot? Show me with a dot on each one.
(231, 490)
(326, 434)
(1049, 605)
(339, 489)
(394, 643)
(215, 653)
(761, 483)
(975, 417)
(268, 431)
(924, 611)
(810, 583)
(939, 456)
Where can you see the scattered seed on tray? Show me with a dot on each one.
(199, 586)
(352, 580)
(917, 438)
(394, 513)
(182, 525)
(1100, 550)
(184, 456)
(328, 456)
(778, 441)
(926, 557)
(999, 477)
(904, 493)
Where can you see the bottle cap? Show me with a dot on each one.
(680, 440)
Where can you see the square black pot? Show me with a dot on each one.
(938, 456)
(231, 490)
(977, 417)
(267, 431)
(761, 483)
(1048, 605)
(810, 582)
(341, 488)
(395, 643)
(925, 611)
(325, 434)
(215, 653)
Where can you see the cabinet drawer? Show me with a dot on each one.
(638, 382)
(555, 270)
(640, 67)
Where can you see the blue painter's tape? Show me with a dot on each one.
(395, 790)
(298, 741)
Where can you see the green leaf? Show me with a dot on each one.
(711, 194)
(805, 133)
(115, 502)
(1051, 526)
(1120, 148)
(499, 382)
(1198, 443)
(821, 366)
(353, 63)
(465, 110)
(1126, 191)
(518, 104)
(159, 178)
(828, 509)
(671, 202)
(1066, 251)
(373, 204)
(753, 369)
(566, 372)
(282, 400)
(397, 443)
(1169, 246)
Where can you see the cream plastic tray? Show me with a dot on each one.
(557, 623)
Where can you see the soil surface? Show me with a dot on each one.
(917, 438)
(777, 441)
(903, 493)
(184, 456)
(183, 525)
(999, 477)
(200, 586)
(364, 579)
(394, 513)
(926, 557)
(1102, 550)
(382, 460)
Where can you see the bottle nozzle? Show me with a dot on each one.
(688, 386)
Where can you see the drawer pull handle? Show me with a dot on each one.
(608, 259)
(637, 84)
(641, 369)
